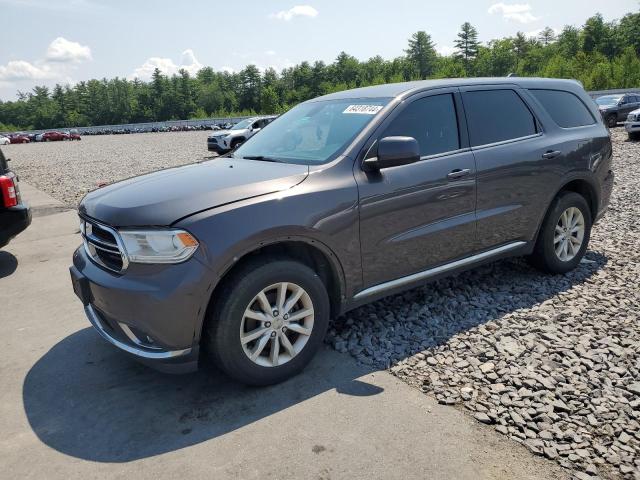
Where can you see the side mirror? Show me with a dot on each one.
(255, 129)
(394, 152)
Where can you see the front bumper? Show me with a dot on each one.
(13, 220)
(152, 312)
(215, 147)
(632, 127)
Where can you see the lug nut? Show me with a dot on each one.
(267, 324)
(286, 316)
(284, 329)
(276, 313)
(273, 334)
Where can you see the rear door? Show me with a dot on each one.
(514, 162)
(417, 216)
(629, 104)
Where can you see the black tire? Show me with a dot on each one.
(634, 135)
(544, 255)
(221, 340)
(612, 120)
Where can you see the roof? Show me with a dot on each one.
(391, 90)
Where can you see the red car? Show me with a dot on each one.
(74, 136)
(19, 139)
(54, 136)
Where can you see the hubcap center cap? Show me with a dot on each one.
(277, 324)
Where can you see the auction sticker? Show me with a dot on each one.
(363, 109)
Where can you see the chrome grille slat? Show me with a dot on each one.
(103, 245)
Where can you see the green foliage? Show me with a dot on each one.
(601, 55)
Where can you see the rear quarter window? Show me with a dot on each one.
(497, 116)
(566, 109)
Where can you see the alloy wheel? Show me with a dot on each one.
(277, 324)
(569, 234)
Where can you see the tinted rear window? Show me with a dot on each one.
(496, 116)
(565, 108)
(431, 121)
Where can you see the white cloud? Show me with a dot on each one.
(271, 53)
(518, 12)
(66, 51)
(297, 11)
(188, 61)
(445, 50)
(18, 70)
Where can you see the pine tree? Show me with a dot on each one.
(547, 36)
(422, 54)
(467, 45)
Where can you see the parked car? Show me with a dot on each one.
(342, 200)
(632, 125)
(18, 138)
(54, 136)
(15, 216)
(73, 136)
(224, 141)
(4, 140)
(615, 108)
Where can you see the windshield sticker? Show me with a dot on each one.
(363, 109)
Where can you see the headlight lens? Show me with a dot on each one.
(158, 246)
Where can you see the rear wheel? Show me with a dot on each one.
(564, 236)
(269, 322)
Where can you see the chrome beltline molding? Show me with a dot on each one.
(425, 274)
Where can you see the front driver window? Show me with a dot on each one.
(431, 121)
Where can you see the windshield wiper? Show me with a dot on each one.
(262, 158)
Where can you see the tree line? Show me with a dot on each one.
(600, 54)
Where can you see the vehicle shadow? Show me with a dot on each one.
(87, 400)
(8, 264)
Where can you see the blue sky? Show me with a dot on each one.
(43, 42)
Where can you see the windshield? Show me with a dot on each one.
(242, 125)
(313, 132)
(608, 100)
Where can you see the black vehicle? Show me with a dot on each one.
(342, 200)
(15, 216)
(615, 108)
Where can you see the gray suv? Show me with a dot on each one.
(615, 108)
(342, 200)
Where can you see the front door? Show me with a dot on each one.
(414, 217)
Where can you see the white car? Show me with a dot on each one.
(632, 124)
(224, 141)
(4, 140)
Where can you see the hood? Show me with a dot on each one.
(219, 133)
(161, 198)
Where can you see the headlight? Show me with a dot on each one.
(158, 246)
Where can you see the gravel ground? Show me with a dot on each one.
(550, 361)
(68, 170)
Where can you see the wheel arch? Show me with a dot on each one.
(579, 185)
(313, 253)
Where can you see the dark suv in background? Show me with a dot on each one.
(615, 108)
(342, 200)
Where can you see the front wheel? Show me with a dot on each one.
(612, 120)
(564, 236)
(269, 321)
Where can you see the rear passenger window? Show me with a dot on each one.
(565, 108)
(497, 115)
(431, 121)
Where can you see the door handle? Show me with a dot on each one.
(551, 154)
(458, 173)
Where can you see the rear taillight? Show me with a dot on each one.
(8, 189)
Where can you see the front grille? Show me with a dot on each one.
(632, 117)
(102, 245)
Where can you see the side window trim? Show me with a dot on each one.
(516, 89)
